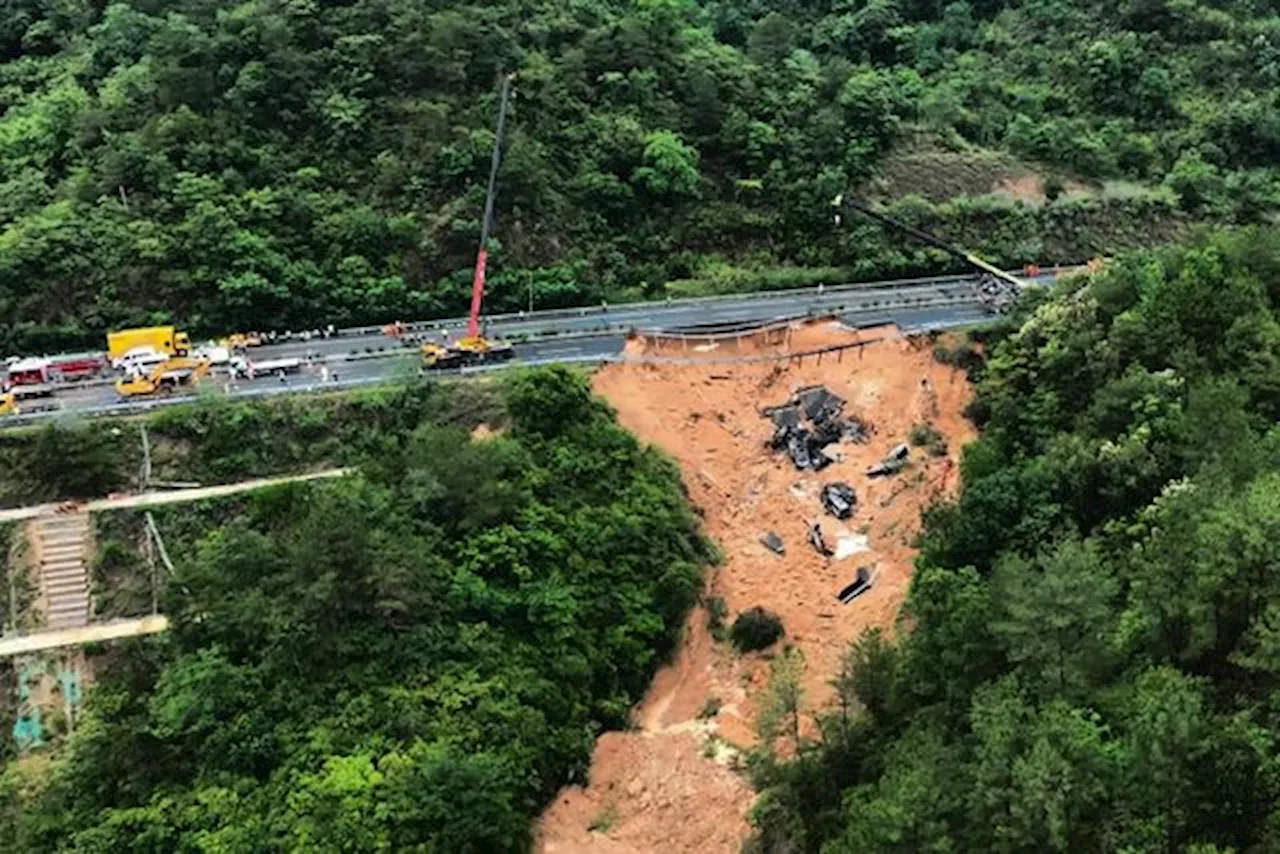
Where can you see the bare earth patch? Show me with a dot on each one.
(671, 784)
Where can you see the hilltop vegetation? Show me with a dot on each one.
(1091, 659)
(412, 659)
(271, 164)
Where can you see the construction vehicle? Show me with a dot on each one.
(165, 378)
(165, 339)
(475, 348)
(13, 403)
(996, 288)
(239, 341)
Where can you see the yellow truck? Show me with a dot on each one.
(163, 378)
(162, 339)
(8, 404)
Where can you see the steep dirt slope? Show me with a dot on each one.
(671, 784)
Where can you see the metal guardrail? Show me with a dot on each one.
(676, 302)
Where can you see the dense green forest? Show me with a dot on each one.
(272, 164)
(1091, 654)
(414, 659)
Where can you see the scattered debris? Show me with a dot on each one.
(820, 405)
(892, 462)
(818, 542)
(861, 584)
(848, 545)
(839, 499)
(856, 430)
(786, 415)
(773, 543)
(804, 444)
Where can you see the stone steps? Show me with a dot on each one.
(64, 579)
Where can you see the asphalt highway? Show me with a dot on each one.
(678, 314)
(367, 355)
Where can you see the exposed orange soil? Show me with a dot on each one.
(670, 785)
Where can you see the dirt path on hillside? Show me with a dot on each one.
(671, 785)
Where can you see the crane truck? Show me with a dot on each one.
(475, 348)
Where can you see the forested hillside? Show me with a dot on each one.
(1090, 656)
(413, 659)
(271, 163)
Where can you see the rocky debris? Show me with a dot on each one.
(773, 543)
(809, 422)
(892, 462)
(818, 542)
(861, 584)
(857, 430)
(839, 499)
(804, 448)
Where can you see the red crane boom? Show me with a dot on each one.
(482, 257)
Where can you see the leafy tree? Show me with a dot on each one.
(670, 167)
(1053, 616)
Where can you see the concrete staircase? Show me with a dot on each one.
(63, 544)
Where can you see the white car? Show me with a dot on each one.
(140, 360)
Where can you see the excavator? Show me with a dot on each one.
(997, 289)
(163, 378)
(475, 348)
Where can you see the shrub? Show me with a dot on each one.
(755, 629)
(1053, 188)
(717, 610)
(925, 435)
